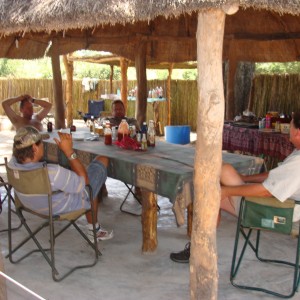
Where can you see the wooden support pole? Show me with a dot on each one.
(57, 87)
(69, 89)
(208, 155)
(232, 67)
(149, 221)
(124, 82)
(111, 76)
(168, 93)
(141, 77)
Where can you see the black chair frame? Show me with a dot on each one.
(48, 222)
(236, 260)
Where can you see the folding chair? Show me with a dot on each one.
(137, 197)
(5, 185)
(94, 109)
(36, 182)
(268, 215)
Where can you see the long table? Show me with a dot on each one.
(166, 170)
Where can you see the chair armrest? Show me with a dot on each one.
(272, 201)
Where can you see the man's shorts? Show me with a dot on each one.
(97, 174)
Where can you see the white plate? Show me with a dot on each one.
(78, 136)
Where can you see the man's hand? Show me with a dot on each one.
(65, 144)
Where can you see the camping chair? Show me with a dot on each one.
(136, 196)
(268, 215)
(36, 182)
(3, 197)
(94, 109)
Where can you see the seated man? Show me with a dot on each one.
(282, 182)
(28, 152)
(26, 108)
(118, 113)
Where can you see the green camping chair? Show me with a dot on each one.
(268, 215)
(36, 182)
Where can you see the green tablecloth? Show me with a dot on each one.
(166, 169)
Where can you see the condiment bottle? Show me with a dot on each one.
(268, 121)
(144, 129)
(92, 125)
(49, 126)
(151, 134)
(107, 135)
(114, 133)
(144, 145)
(123, 129)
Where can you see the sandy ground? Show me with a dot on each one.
(123, 272)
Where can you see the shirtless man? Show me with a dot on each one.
(26, 108)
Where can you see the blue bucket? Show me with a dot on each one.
(178, 134)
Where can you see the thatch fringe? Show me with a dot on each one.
(58, 15)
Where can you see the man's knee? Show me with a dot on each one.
(229, 175)
(103, 160)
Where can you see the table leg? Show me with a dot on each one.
(189, 219)
(149, 221)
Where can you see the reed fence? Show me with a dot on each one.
(270, 92)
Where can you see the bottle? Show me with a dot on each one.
(151, 134)
(49, 126)
(139, 136)
(268, 121)
(107, 135)
(123, 129)
(114, 133)
(92, 125)
(144, 129)
(144, 143)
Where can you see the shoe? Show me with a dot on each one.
(182, 256)
(101, 234)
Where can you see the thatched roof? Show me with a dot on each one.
(27, 28)
(57, 15)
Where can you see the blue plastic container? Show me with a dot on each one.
(178, 134)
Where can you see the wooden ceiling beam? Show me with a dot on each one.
(263, 36)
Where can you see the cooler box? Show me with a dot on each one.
(178, 134)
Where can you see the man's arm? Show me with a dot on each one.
(247, 190)
(46, 108)
(255, 178)
(7, 103)
(65, 144)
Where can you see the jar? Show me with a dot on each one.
(49, 126)
(123, 129)
(107, 136)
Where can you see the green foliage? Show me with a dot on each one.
(190, 74)
(6, 68)
(277, 68)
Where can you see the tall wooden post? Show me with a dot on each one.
(208, 156)
(69, 89)
(141, 77)
(168, 93)
(57, 87)
(124, 81)
(111, 76)
(232, 66)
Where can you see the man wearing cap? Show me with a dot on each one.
(28, 153)
(27, 116)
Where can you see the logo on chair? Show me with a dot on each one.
(279, 220)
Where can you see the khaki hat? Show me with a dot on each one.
(27, 136)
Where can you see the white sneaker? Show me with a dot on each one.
(101, 234)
